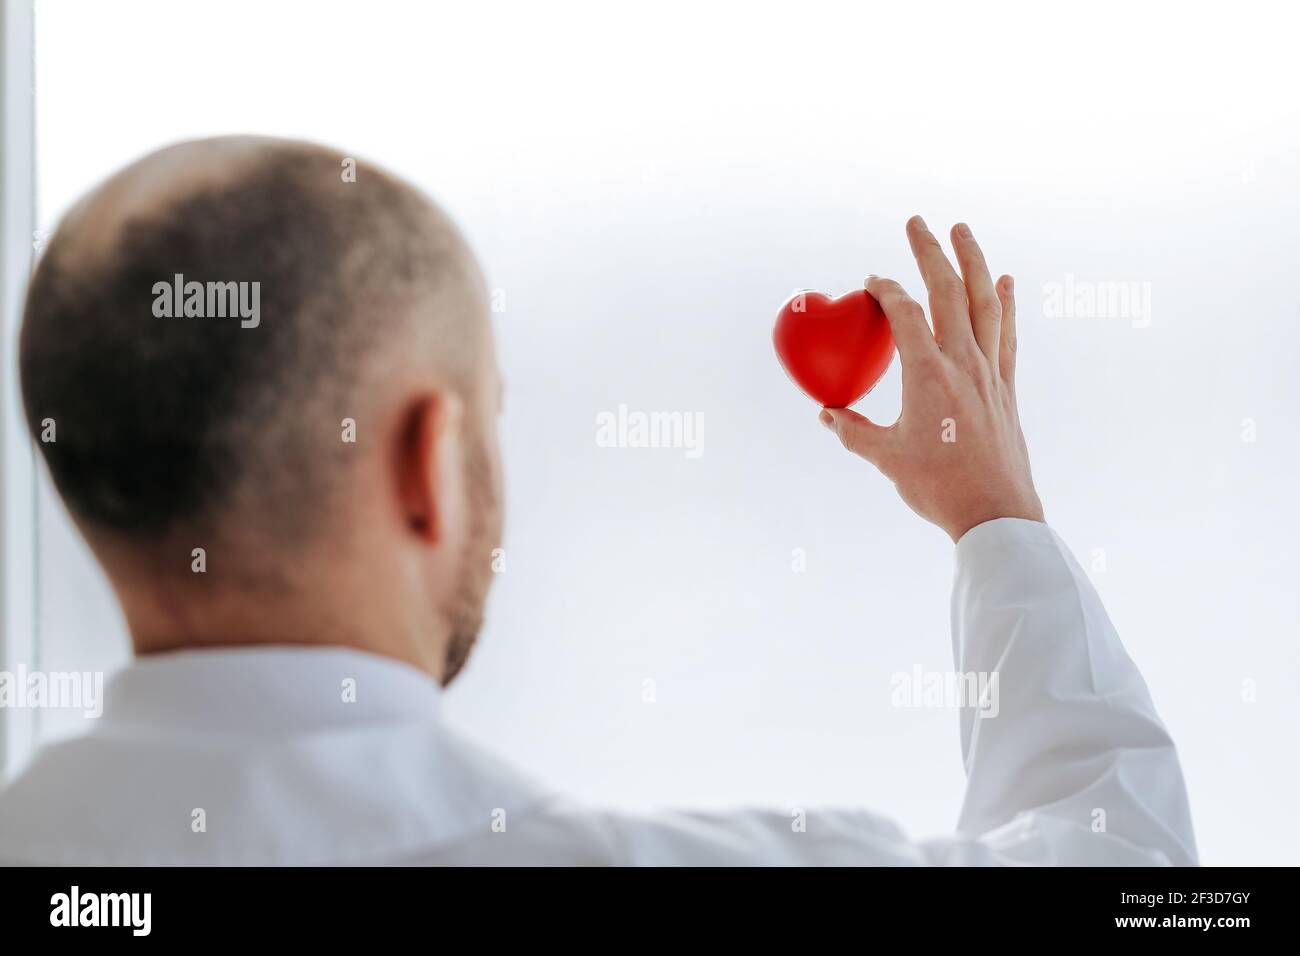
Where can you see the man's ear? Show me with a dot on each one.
(425, 440)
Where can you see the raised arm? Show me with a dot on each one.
(1071, 766)
(1075, 766)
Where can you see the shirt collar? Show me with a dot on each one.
(265, 691)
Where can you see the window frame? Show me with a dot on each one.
(18, 582)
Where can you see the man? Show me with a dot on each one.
(294, 488)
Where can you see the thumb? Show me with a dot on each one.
(857, 433)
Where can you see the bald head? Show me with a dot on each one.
(202, 324)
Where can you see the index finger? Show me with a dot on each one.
(906, 318)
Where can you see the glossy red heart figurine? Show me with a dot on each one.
(836, 350)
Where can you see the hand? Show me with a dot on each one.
(956, 454)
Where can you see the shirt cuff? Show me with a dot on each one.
(1001, 533)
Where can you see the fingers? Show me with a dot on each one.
(948, 310)
(1007, 343)
(857, 433)
(985, 310)
(906, 318)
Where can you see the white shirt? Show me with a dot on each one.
(1072, 766)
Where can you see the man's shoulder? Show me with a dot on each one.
(406, 795)
(363, 797)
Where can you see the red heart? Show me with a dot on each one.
(836, 350)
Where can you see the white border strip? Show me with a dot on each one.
(17, 461)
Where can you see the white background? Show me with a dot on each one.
(645, 184)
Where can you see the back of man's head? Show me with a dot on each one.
(219, 348)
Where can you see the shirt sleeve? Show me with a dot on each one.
(1069, 763)
(1066, 760)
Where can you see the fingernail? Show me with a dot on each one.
(870, 277)
(963, 230)
(826, 418)
(1011, 284)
